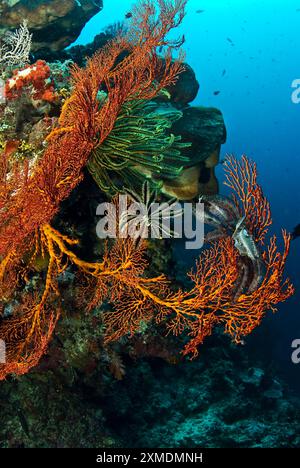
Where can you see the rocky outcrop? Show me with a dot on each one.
(204, 127)
(55, 24)
(186, 88)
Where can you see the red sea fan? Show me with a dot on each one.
(127, 68)
(212, 301)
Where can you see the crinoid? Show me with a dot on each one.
(236, 280)
(235, 217)
(145, 217)
(128, 70)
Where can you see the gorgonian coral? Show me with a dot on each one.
(84, 125)
(128, 69)
(125, 72)
(121, 277)
(213, 300)
(35, 79)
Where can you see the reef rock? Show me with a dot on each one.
(186, 88)
(204, 127)
(55, 24)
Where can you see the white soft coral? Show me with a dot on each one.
(15, 47)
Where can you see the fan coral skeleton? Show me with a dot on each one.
(15, 47)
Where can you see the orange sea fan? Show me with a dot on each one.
(25, 340)
(241, 178)
(241, 316)
(28, 317)
(127, 68)
(213, 299)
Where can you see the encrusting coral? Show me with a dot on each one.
(125, 72)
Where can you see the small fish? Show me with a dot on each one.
(224, 72)
(128, 15)
(296, 232)
(230, 41)
(216, 93)
(200, 11)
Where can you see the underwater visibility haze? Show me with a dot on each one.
(149, 224)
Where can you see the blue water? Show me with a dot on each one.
(257, 44)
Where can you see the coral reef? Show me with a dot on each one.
(218, 401)
(80, 313)
(15, 49)
(109, 123)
